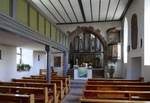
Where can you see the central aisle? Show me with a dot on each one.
(75, 92)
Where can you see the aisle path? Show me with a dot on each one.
(75, 92)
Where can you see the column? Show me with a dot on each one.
(65, 68)
(48, 75)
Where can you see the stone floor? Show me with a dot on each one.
(75, 92)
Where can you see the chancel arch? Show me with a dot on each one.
(87, 45)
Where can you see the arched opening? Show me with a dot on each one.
(86, 48)
(125, 41)
(87, 45)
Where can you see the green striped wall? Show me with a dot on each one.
(41, 24)
(22, 11)
(47, 29)
(29, 16)
(5, 6)
(33, 18)
(53, 33)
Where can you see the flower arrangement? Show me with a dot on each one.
(23, 67)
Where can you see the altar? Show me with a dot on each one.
(82, 73)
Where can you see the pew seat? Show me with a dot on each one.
(41, 94)
(117, 95)
(87, 100)
(16, 98)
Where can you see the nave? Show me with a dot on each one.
(74, 51)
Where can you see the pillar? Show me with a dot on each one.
(48, 75)
(65, 68)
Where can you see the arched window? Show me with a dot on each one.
(125, 44)
(134, 31)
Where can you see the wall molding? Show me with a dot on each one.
(10, 24)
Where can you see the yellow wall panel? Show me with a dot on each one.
(22, 11)
(41, 24)
(47, 29)
(5, 6)
(53, 33)
(33, 18)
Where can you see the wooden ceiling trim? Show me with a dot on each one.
(99, 10)
(87, 22)
(107, 10)
(50, 12)
(91, 10)
(65, 11)
(126, 9)
(57, 11)
(73, 10)
(116, 10)
(82, 11)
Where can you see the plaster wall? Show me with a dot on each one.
(130, 72)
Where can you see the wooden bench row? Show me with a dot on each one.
(16, 98)
(116, 91)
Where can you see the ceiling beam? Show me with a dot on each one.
(87, 22)
(50, 11)
(91, 10)
(82, 11)
(73, 10)
(99, 10)
(65, 10)
(107, 10)
(116, 10)
(126, 9)
(57, 11)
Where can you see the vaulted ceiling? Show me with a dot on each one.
(82, 11)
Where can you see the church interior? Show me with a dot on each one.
(74, 51)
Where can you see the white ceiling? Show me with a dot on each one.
(81, 11)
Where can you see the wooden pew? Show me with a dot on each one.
(86, 100)
(115, 83)
(59, 83)
(117, 80)
(51, 87)
(117, 95)
(41, 94)
(66, 80)
(60, 89)
(118, 87)
(16, 98)
(29, 80)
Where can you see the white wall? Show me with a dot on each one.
(8, 66)
(7, 63)
(136, 7)
(102, 26)
(39, 64)
(146, 67)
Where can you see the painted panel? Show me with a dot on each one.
(120, 9)
(66, 4)
(60, 9)
(4, 6)
(87, 9)
(53, 33)
(22, 11)
(95, 9)
(47, 29)
(58, 36)
(112, 8)
(52, 10)
(77, 10)
(41, 24)
(33, 18)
